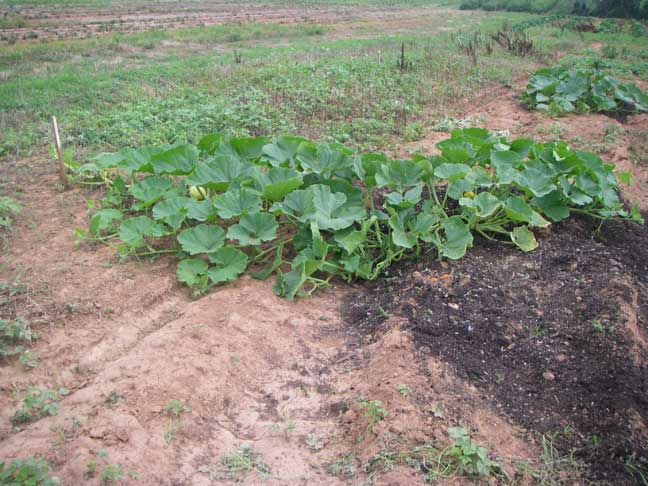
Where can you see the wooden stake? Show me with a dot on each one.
(59, 153)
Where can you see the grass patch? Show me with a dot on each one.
(12, 22)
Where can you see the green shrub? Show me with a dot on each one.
(33, 471)
(601, 8)
(561, 90)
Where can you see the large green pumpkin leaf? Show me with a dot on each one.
(210, 143)
(150, 190)
(324, 160)
(204, 238)
(400, 234)
(457, 238)
(330, 209)
(287, 285)
(193, 272)
(487, 204)
(367, 166)
(536, 178)
(282, 149)
(451, 172)
(253, 229)
(236, 202)
(484, 204)
(277, 182)
(229, 264)
(134, 230)
(552, 205)
(399, 175)
(179, 160)
(297, 204)
(201, 210)
(353, 194)
(349, 239)
(249, 148)
(505, 164)
(404, 201)
(219, 172)
(103, 220)
(172, 211)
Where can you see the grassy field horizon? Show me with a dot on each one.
(335, 80)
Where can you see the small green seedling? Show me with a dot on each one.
(28, 359)
(462, 458)
(111, 474)
(91, 469)
(602, 328)
(373, 412)
(469, 458)
(344, 466)
(13, 335)
(9, 208)
(38, 403)
(175, 408)
(237, 463)
(289, 426)
(113, 397)
(313, 442)
(403, 390)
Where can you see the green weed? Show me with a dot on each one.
(111, 474)
(174, 408)
(554, 469)
(403, 390)
(462, 458)
(27, 472)
(344, 466)
(38, 403)
(313, 442)
(9, 208)
(13, 335)
(237, 463)
(373, 412)
(602, 328)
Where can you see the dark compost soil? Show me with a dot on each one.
(557, 337)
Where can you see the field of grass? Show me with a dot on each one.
(309, 79)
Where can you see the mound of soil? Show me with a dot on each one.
(557, 337)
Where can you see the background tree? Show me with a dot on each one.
(618, 8)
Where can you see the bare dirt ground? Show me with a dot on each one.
(43, 22)
(125, 339)
(252, 368)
